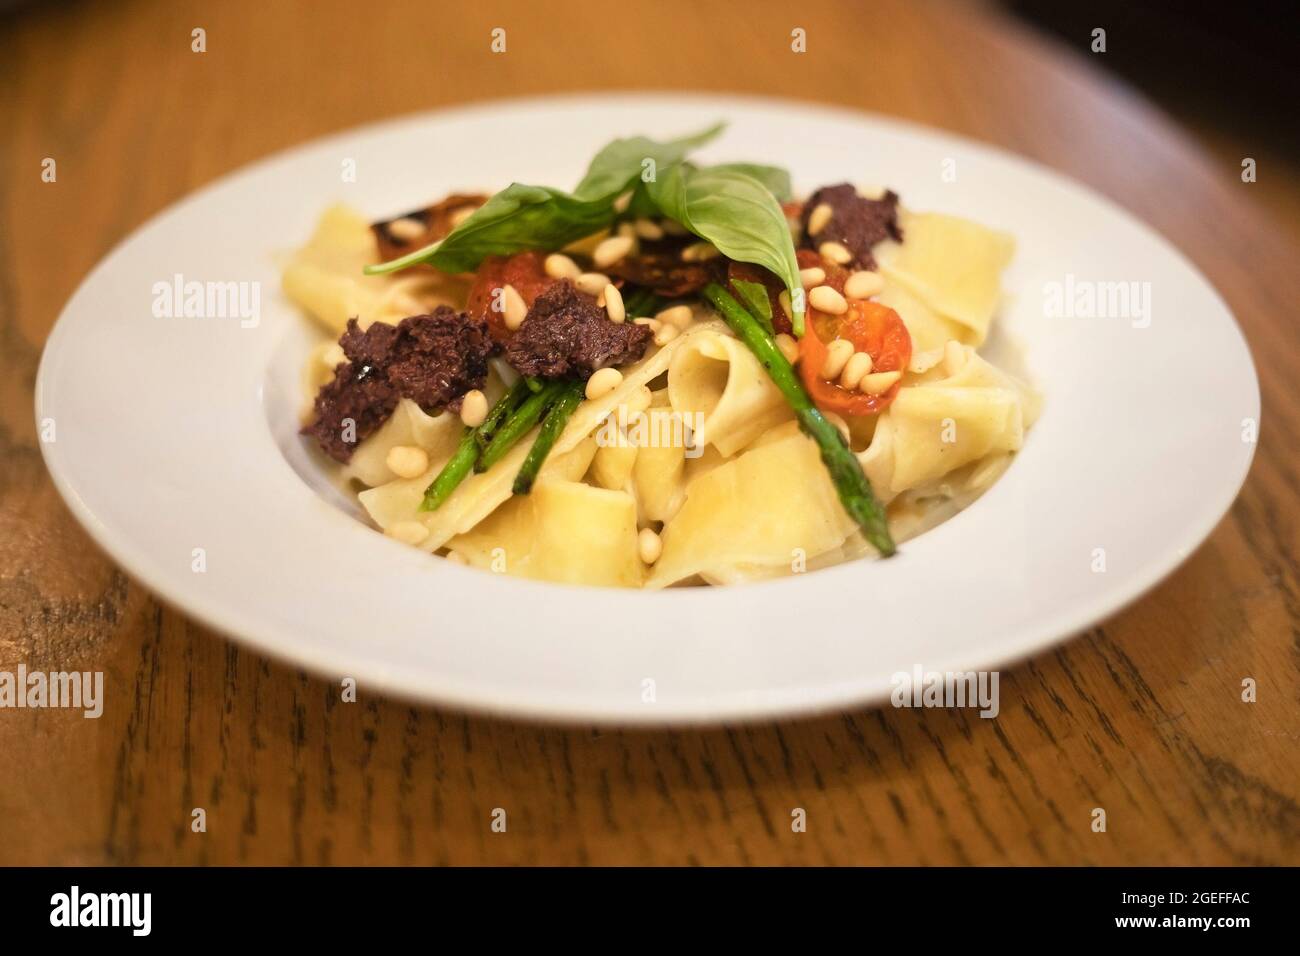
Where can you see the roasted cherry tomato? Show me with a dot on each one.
(872, 328)
(525, 271)
(835, 274)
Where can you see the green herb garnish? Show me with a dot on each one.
(539, 217)
(755, 297)
(735, 206)
(738, 214)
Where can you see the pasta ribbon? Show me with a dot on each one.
(771, 508)
(945, 419)
(563, 531)
(716, 376)
(324, 276)
(953, 265)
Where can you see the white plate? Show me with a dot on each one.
(178, 434)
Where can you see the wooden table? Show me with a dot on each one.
(1141, 716)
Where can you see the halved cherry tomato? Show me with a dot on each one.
(872, 328)
(835, 274)
(526, 271)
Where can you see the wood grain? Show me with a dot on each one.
(1141, 716)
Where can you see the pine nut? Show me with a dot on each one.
(592, 283)
(407, 461)
(473, 408)
(820, 218)
(784, 301)
(877, 383)
(700, 252)
(678, 315)
(514, 309)
(406, 229)
(838, 354)
(665, 334)
(614, 303)
(649, 545)
(653, 324)
(672, 227)
(455, 557)
(649, 229)
(825, 299)
(856, 367)
(836, 252)
(560, 266)
(873, 193)
(602, 382)
(461, 214)
(863, 285)
(813, 275)
(334, 355)
(788, 346)
(622, 202)
(407, 532)
(611, 250)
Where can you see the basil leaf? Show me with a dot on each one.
(776, 179)
(539, 217)
(520, 217)
(755, 294)
(735, 212)
(621, 163)
(641, 206)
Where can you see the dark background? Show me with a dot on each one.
(1226, 70)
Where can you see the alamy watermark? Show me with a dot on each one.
(130, 910)
(192, 299)
(75, 690)
(1076, 298)
(656, 428)
(922, 688)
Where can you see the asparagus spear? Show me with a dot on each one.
(632, 299)
(845, 470)
(518, 424)
(557, 416)
(650, 306)
(506, 404)
(472, 442)
(452, 474)
(640, 302)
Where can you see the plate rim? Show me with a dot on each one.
(474, 698)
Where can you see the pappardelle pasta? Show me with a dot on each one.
(682, 379)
